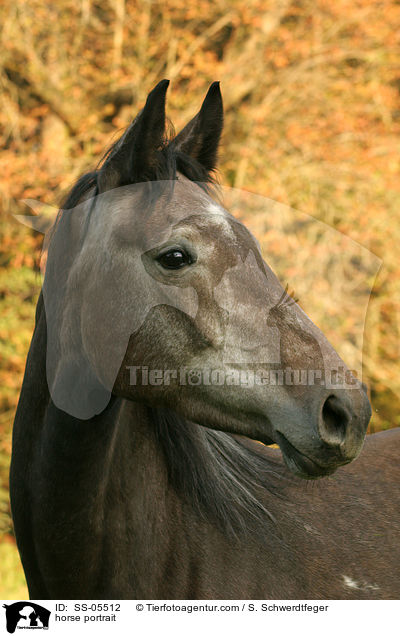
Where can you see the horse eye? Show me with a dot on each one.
(174, 259)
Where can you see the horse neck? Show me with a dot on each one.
(122, 433)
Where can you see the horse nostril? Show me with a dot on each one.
(333, 421)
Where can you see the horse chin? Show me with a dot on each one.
(301, 465)
(267, 441)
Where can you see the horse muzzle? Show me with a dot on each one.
(336, 439)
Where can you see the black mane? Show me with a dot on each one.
(171, 161)
(218, 475)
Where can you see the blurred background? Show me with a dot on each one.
(312, 99)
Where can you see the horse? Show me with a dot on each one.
(144, 461)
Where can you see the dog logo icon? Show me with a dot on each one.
(26, 615)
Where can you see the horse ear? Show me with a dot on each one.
(134, 157)
(200, 137)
